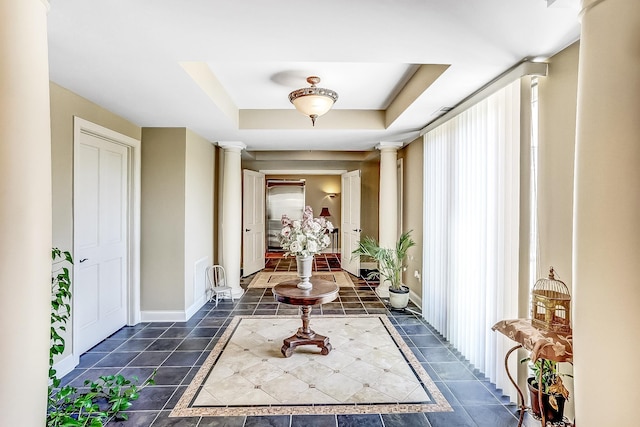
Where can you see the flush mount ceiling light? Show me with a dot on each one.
(313, 101)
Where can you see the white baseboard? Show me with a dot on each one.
(415, 299)
(163, 316)
(66, 365)
(196, 306)
(173, 315)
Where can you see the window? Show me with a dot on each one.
(471, 229)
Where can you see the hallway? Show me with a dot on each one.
(177, 350)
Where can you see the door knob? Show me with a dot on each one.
(247, 229)
(84, 259)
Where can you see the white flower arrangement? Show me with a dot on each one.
(306, 237)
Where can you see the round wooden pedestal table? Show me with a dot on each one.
(321, 292)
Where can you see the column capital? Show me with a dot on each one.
(389, 146)
(229, 145)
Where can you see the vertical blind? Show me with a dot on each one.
(471, 229)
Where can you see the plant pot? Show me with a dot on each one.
(551, 415)
(399, 298)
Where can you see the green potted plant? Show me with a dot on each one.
(390, 265)
(554, 393)
(106, 398)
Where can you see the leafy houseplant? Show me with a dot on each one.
(391, 262)
(106, 397)
(554, 393)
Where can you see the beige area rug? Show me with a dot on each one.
(369, 370)
(270, 279)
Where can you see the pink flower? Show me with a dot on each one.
(304, 237)
(285, 221)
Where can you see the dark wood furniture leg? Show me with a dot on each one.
(305, 336)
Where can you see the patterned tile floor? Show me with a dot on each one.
(177, 350)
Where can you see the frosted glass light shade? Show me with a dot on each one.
(313, 101)
(313, 104)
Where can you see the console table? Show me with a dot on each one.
(548, 345)
(287, 292)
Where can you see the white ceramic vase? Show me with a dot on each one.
(304, 265)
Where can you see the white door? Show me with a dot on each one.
(101, 235)
(350, 226)
(253, 220)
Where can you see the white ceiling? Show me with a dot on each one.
(128, 56)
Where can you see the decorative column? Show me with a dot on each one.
(25, 212)
(606, 219)
(388, 203)
(232, 214)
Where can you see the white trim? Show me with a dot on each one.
(303, 172)
(163, 316)
(525, 68)
(205, 262)
(197, 305)
(232, 144)
(135, 165)
(413, 297)
(66, 365)
(134, 157)
(199, 300)
(388, 144)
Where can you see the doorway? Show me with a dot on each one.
(106, 212)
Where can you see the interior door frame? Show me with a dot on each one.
(347, 200)
(250, 174)
(82, 126)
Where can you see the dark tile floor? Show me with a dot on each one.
(177, 350)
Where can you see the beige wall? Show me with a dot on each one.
(217, 209)
(177, 219)
(64, 106)
(557, 107)
(557, 132)
(369, 203)
(199, 220)
(163, 219)
(412, 219)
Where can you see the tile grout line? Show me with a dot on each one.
(361, 288)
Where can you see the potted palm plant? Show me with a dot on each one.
(390, 265)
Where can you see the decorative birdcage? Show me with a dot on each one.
(551, 305)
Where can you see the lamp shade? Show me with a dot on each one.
(313, 101)
(325, 212)
(313, 105)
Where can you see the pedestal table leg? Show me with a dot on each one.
(305, 336)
